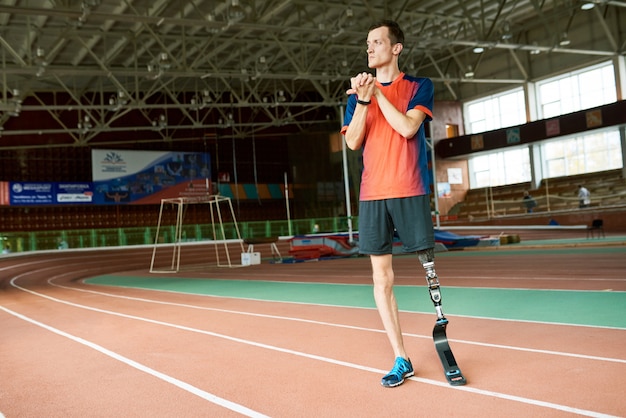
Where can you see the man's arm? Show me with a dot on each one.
(363, 85)
(355, 134)
(407, 124)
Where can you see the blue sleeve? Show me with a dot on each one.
(350, 106)
(424, 97)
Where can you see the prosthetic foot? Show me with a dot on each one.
(450, 367)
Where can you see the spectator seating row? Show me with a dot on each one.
(124, 216)
(608, 188)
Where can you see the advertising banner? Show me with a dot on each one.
(121, 177)
(45, 193)
(146, 177)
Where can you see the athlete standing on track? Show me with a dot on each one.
(384, 117)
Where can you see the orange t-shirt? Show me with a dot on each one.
(395, 166)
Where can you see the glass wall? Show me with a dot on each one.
(577, 90)
(500, 168)
(574, 91)
(582, 154)
(495, 112)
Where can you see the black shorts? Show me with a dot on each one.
(409, 218)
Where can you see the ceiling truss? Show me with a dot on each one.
(181, 69)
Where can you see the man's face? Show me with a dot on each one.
(379, 49)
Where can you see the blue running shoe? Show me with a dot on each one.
(401, 369)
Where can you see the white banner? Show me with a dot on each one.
(112, 164)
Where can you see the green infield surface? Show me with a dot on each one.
(574, 307)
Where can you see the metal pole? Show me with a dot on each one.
(548, 194)
(346, 183)
(431, 146)
(287, 204)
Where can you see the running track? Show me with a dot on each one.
(70, 349)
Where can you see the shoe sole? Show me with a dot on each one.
(409, 374)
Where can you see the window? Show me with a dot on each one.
(588, 152)
(495, 112)
(583, 154)
(452, 131)
(500, 168)
(574, 91)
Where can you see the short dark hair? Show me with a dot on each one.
(395, 32)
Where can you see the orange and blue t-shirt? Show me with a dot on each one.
(395, 166)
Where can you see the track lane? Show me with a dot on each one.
(272, 330)
(378, 371)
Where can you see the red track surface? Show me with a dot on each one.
(72, 350)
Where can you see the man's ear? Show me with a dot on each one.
(397, 48)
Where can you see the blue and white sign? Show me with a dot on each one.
(146, 177)
(46, 193)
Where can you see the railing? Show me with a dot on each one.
(112, 237)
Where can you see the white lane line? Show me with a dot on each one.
(168, 379)
(452, 276)
(331, 324)
(489, 393)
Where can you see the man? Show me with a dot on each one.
(529, 202)
(384, 117)
(584, 197)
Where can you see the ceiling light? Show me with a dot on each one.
(588, 6)
(211, 28)
(164, 60)
(322, 27)
(40, 54)
(535, 50)
(262, 65)
(117, 101)
(199, 101)
(564, 40)
(478, 50)
(85, 125)
(160, 123)
(469, 73)
(506, 32)
(349, 20)
(236, 12)
(40, 60)
(16, 101)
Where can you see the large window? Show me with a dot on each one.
(495, 112)
(500, 168)
(576, 91)
(589, 152)
(582, 154)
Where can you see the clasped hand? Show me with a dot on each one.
(363, 85)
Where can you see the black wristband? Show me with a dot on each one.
(363, 102)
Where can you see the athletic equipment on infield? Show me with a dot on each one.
(219, 240)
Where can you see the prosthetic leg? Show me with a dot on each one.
(451, 369)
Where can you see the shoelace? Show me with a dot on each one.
(399, 368)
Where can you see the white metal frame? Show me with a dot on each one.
(214, 207)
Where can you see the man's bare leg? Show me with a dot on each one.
(382, 272)
(388, 311)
